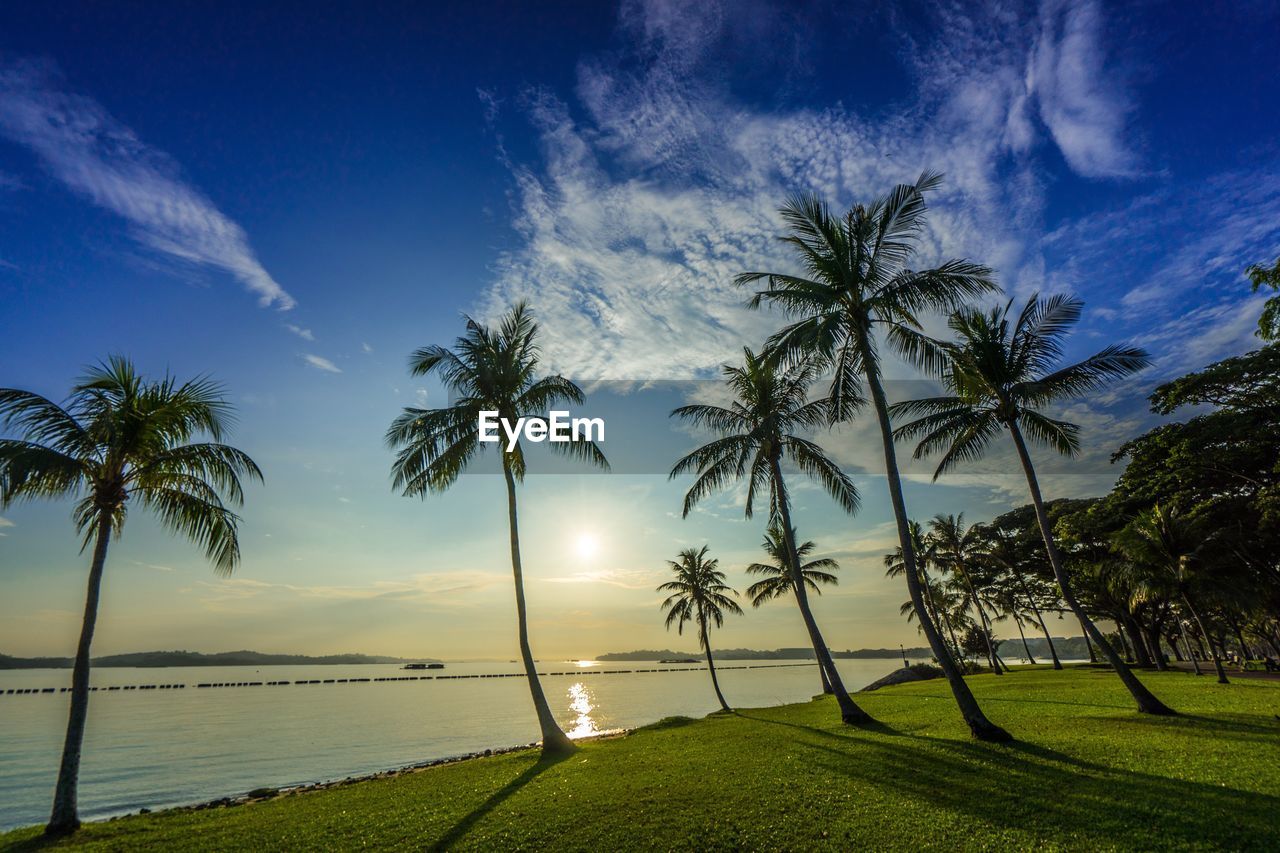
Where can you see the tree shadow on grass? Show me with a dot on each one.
(463, 826)
(1055, 798)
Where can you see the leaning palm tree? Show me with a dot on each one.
(857, 280)
(1166, 544)
(777, 576)
(493, 370)
(1003, 552)
(698, 595)
(118, 441)
(959, 549)
(1000, 373)
(754, 436)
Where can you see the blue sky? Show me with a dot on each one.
(295, 199)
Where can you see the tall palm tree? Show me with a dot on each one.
(755, 435)
(1166, 543)
(777, 576)
(121, 440)
(1000, 371)
(698, 594)
(959, 548)
(856, 281)
(489, 369)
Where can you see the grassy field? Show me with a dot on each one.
(1086, 772)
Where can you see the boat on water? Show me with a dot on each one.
(423, 666)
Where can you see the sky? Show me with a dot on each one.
(294, 199)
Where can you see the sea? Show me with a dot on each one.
(157, 738)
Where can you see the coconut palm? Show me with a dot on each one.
(754, 437)
(120, 441)
(1000, 371)
(924, 549)
(959, 549)
(857, 281)
(490, 369)
(1002, 550)
(1166, 544)
(777, 577)
(698, 595)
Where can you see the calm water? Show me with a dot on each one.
(157, 748)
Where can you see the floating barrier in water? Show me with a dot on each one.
(23, 691)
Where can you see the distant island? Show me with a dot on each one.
(1068, 648)
(184, 658)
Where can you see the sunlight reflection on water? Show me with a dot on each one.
(581, 703)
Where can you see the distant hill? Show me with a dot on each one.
(184, 658)
(762, 654)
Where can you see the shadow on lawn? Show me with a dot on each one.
(1059, 798)
(462, 827)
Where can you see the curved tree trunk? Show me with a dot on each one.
(65, 817)
(822, 673)
(992, 658)
(554, 740)
(1053, 652)
(1146, 700)
(979, 725)
(1030, 659)
(1152, 637)
(1088, 644)
(1217, 660)
(711, 664)
(1134, 632)
(849, 710)
(1190, 654)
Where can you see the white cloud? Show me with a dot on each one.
(320, 363)
(657, 185)
(96, 156)
(1085, 111)
(366, 348)
(305, 334)
(4, 522)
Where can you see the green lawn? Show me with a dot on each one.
(1086, 772)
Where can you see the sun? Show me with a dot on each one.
(587, 545)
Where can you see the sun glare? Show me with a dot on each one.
(587, 545)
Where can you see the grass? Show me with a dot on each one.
(1087, 772)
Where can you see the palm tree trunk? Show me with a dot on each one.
(1088, 644)
(1053, 652)
(1153, 644)
(982, 620)
(554, 740)
(1190, 654)
(65, 817)
(1030, 659)
(979, 725)
(826, 683)
(1147, 702)
(1134, 632)
(849, 711)
(1217, 661)
(711, 664)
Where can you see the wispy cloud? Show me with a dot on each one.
(657, 185)
(305, 334)
(321, 363)
(96, 156)
(4, 523)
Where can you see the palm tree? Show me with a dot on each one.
(698, 595)
(1003, 551)
(489, 369)
(959, 549)
(755, 435)
(777, 576)
(857, 280)
(1000, 374)
(1166, 543)
(925, 550)
(120, 440)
